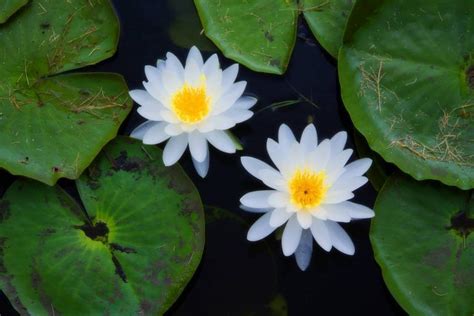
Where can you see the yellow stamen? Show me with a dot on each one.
(307, 188)
(191, 104)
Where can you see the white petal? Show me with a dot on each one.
(222, 122)
(309, 139)
(277, 155)
(305, 250)
(257, 199)
(338, 142)
(320, 156)
(358, 167)
(140, 131)
(211, 65)
(349, 184)
(143, 98)
(155, 134)
(355, 210)
(336, 213)
(157, 91)
(228, 77)
(336, 163)
(174, 149)
(195, 55)
(339, 238)
(273, 179)
(192, 73)
(305, 219)
(169, 117)
(321, 234)
(238, 116)
(174, 65)
(150, 113)
(333, 196)
(256, 210)
(319, 212)
(254, 166)
(153, 75)
(279, 217)
(173, 129)
(197, 146)
(278, 199)
(291, 236)
(202, 167)
(228, 99)
(245, 103)
(285, 136)
(261, 228)
(222, 141)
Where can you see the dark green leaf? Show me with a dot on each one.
(9, 7)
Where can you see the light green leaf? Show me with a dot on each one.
(407, 79)
(257, 33)
(53, 125)
(130, 252)
(9, 7)
(327, 20)
(422, 236)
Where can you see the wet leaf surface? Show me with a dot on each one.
(131, 251)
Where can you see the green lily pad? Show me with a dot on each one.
(407, 79)
(9, 7)
(327, 20)
(130, 252)
(186, 29)
(53, 125)
(258, 33)
(423, 240)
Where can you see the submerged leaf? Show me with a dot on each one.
(130, 252)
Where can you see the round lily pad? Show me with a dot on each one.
(327, 19)
(258, 33)
(407, 79)
(9, 7)
(131, 250)
(53, 125)
(423, 239)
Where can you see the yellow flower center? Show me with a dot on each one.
(191, 104)
(307, 188)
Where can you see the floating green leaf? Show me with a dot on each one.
(423, 240)
(53, 125)
(407, 79)
(9, 7)
(257, 33)
(327, 20)
(130, 252)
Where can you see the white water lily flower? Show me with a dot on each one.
(191, 105)
(309, 191)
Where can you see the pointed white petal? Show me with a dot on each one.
(340, 239)
(202, 167)
(238, 116)
(173, 129)
(254, 166)
(174, 65)
(261, 228)
(229, 98)
(211, 65)
(222, 141)
(192, 73)
(174, 149)
(285, 136)
(197, 146)
(355, 210)
(245, 103)
(333, 196)
(140, 131)
(195, 55)
(257, 199)
(277, 155)
(278, 199)
(291, 236)
(319, 212)
(349, 184)
(150, 113)
(273, 179)
(336, 163)
(157, 91)
(358, 167)
(279, 217)
(304, 219)
(222, 122)
(338, 142)
(321, 234)
(228, 77)
(143, 98)
(305, 250)
(309, 139)
(256, 210)
(335, 212)
(155, 135)
(320, 156)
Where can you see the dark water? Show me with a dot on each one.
(237, 277)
